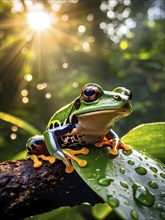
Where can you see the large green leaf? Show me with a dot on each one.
(149, 137)
(132, 183)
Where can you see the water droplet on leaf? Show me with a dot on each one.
(134, 215)
(126, 203)
(143, 195)
(127, 152)
(153, 185)
(162, 175)
(97, 170)
(141, 170)
(163, 194)
(122, 170)
(112, 201)
(154, 169)
(160, 207)
(124, 184)
(105, 181)
(131, 162)
(162, 215)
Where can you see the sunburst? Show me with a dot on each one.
(39, 20)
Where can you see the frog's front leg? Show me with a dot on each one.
(71, 155)
(52, 144)
(112, 140)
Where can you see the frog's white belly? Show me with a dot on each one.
(91, 128)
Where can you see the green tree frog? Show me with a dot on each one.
(86, 120)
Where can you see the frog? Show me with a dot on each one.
(86, 121)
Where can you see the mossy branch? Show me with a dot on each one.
(25, 191)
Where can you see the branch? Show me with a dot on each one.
(25, 191)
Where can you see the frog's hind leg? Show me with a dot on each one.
(108, 142)
(38, 163)
(51, 159)
(112, 140)
(71, 155)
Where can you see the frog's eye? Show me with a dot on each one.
(90, 93)
(129, 94)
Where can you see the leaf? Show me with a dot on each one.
(19, 122)
(21, 155)
(131, 183)
(101, 210)
(63, 213)
(149, 137)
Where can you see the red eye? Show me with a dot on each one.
(90, 92)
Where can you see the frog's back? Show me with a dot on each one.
(60, 117)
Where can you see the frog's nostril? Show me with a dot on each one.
(117, 97)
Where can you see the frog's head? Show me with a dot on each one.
(96, 106)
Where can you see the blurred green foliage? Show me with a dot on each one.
(113, 43)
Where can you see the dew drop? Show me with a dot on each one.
(153, 185)
(159, 207)
(122, 170)
(97, 170)
(141, 170)
(124, 184)
(131, 162)
(127, 152)
(91, 180)
(112, 201)
(162, 215)
(162, 175)
(154, 169)
(98, 189)
(143, 195)
(163, 194)
(134, 215)
(126, 203)
(105, 181)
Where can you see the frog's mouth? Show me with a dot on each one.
(100, 120)
(126, 109)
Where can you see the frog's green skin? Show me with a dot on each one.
(86, 120)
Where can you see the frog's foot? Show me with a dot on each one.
(51, 159)
(124, 146)
(71, 155)
(102, 143)
(38, 163)
(114, 146)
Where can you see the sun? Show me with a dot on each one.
(39, 20)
